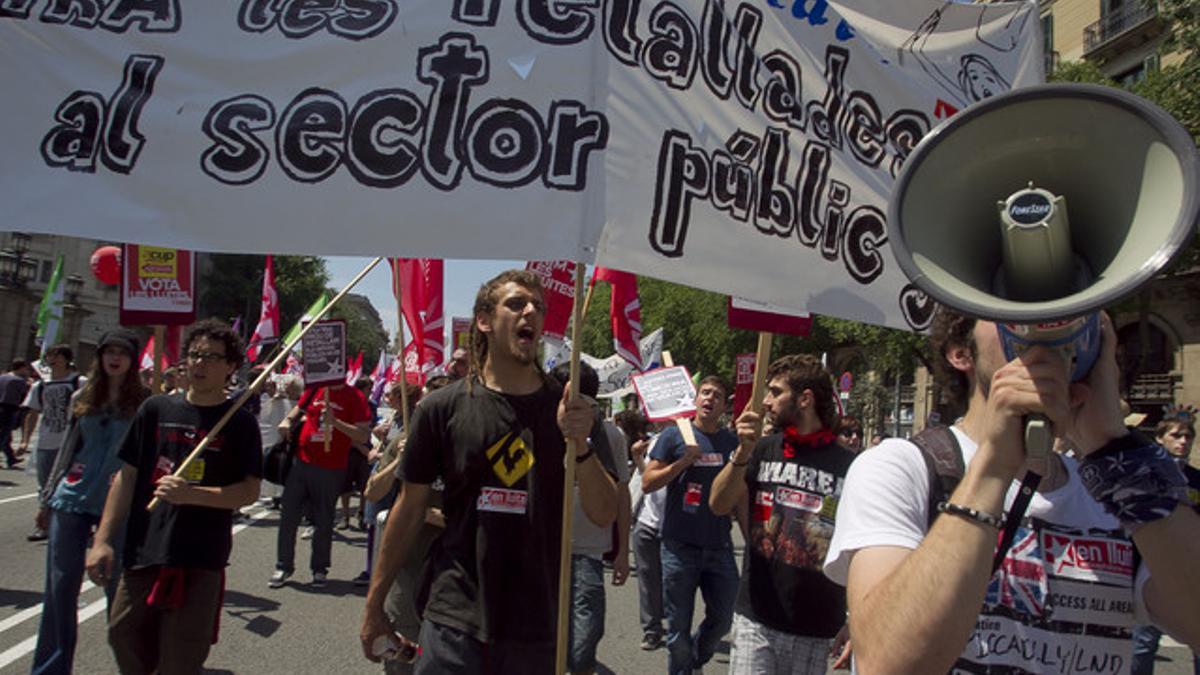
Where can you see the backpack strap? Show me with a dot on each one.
(943, 460)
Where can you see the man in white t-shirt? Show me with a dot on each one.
(923, 599)
(49, 401)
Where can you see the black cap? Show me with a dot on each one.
(123, 338)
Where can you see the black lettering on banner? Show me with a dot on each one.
(309, 138)
(78, 13)
(905, 128)
(75, 142)
(451, 67)
(864, 129)
(714, 26)
(620, 36)
(557, 22)
(296, 19)
(384, 143)
(237, 156)
(835, 210)
(671, 55)
(151, 16)
(16, 9)
(476, 12)
(781, 95)
(917, 307)
(776, 212)
(823, 115)
(504, 142)
(574, 134)
(682, 177)
(733, 176)
(814, 169)
(122, 140)
(749, 23)
(866, 233)
(90, 126)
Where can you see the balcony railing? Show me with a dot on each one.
(1124, 19)
(1155, 387)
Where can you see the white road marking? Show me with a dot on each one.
(19, 650)
(18, 498)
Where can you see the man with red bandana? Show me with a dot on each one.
(697, 552)
(787, 611)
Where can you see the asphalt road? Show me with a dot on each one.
(295, 629)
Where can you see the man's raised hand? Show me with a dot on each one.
(575, 417)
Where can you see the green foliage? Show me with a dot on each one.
(364, 329)
(1080, 72)
(232, 287)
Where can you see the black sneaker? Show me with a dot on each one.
(363, 579)
(37, 535)
(278, 578)
(651, 642)
(319, 578)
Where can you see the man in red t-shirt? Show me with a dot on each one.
(317, 476)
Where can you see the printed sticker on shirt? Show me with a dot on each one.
(194, 472)
(763, 502)
(163, 467)
(1088, 603)
(1089, 557)
(798, 499)
(511, 458)
(692, 497)
(74, 474)
(1007, 645)
(501, 500)
(710, 459)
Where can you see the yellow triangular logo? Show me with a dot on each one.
(511, 458)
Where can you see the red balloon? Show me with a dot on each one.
(106, 265)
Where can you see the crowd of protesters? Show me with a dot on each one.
(870, 553)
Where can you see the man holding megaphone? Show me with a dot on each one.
(949, 563)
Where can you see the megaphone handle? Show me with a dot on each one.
(1039, 442)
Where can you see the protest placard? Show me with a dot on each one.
(158, 286)
(666, 394)
(324, 354)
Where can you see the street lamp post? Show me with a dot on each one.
(15, 269)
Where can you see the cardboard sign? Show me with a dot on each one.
(461, 328)
(744, 384)
(158, 286)
(666, 394)
(324, 355)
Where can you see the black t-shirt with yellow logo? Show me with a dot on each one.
(494, 572)
(163, 433)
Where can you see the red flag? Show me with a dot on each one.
(393, 369)
(354, 370)
(744, 372)
(267, 329)
(626, 313)
(413, 372)
(146, 362)
(749, 315)
(420, 281)
(171, 346)
(558, 291)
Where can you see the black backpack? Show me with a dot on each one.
(943, 460)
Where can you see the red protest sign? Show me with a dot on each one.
(666, 394)
(744, 383)
(558, 291)
(158, 286)
(764, 318)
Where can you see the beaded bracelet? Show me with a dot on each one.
(968, 512)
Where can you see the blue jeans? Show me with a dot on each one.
(1145, 646)
(66, 548)
(686, 568)
(587, 612)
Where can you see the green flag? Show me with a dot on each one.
(50, 312)
(312, 311)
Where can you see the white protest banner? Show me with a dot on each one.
(666, 394)
(324, 354)
(614, 371)
(740, 146)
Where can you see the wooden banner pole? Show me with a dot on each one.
(762, 358)
(262, 377)
(400, 343)
(568, 509)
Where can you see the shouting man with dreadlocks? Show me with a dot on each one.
(496, 440)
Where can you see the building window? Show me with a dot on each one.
(47, 271)
(1048, 53)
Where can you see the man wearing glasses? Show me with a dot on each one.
(167, 602)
